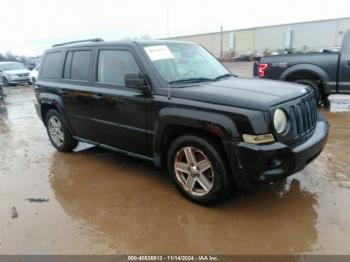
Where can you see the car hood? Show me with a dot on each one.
(15, 72)
(243, 92)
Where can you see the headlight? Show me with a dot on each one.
(280, 120)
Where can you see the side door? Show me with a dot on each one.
(119, 113)
(344, 66)
(76, 91)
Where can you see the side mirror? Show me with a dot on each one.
(135, 81)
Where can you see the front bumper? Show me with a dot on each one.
(254, 164)
(18, 80)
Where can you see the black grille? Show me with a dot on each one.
(24, 74)
(303, 116)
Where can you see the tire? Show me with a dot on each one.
(325, 100)
(205, 187)
(2, 95)
(5, 82)
(315, 87)
(58, 132)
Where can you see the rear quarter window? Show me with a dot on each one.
(51, 66)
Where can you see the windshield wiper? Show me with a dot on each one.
(223, 76)
(199, 79)
(191, 80)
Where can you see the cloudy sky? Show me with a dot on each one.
(30, 26)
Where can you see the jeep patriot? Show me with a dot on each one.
(174, 104)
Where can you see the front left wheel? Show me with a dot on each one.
(198, 169)
(59, 134)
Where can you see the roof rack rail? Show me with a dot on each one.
(79, 41)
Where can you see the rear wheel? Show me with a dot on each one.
(317, 90)
(59, 134)
(198, 170)
(325, 100)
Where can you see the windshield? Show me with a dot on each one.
(184, 62)
(12, 66)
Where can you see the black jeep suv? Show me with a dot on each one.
(174, 104)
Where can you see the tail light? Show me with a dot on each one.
(262, 69)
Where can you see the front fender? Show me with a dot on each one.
(4, 76)
(217, 124)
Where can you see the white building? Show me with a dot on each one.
(304, 36)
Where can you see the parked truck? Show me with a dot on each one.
(327, 72)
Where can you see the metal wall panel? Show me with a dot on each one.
(308, 36)
(271, 37)
(313, 36)
(245, 41)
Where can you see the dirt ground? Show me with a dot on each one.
(95, 201)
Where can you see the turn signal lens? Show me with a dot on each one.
(258, 139)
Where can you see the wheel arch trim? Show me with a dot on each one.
(56, 102)
(308, 68)
(218, 125)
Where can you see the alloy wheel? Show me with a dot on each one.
(56, 131)
(194, 171)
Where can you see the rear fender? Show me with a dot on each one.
(311, 69)
(56, 102)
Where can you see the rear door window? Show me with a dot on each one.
(77, 65)
(113, 65)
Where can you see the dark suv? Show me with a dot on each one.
(174, 104)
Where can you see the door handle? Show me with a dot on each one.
(98, 96)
